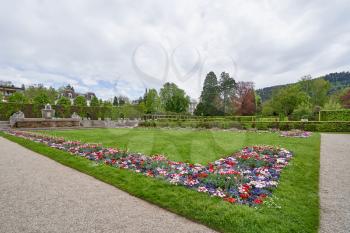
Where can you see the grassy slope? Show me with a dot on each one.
(297, 193)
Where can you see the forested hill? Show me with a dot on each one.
(338, 81)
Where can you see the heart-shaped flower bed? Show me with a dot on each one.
(246, 177)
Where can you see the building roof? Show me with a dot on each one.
(11, 87)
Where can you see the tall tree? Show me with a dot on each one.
(332, 104)
(287, 99)
(122, 100)
(210, 101)
(42, 98)
(18, 98)
(317, 89)
(244, 99)
(95, 102)
(227, 86)
(174, 99)
(41, 94)
(152, 101)
(63, 104)
(258, 102)
(115, 101)
(345, 98)
(63, 101)
(80, 101)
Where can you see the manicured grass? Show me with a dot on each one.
(296, 195)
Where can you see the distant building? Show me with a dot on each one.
(192, 106)
(7, 89)
(70, 93)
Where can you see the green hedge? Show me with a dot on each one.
(269, 119)
(335, 115)
(193, 124)
(317, 126)
(198, 118)
(34, 111)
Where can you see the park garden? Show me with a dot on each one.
(237, 164)
(231, 181)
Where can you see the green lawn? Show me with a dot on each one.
(296, 196)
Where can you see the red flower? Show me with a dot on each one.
(230, 199)
(231, 163)
(211, 167)
(232, 172)
(149, 173)
(258, 201)
(246, 187)
(244, 195)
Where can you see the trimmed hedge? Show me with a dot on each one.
(182, 117)
(34, 111)
(317, 126)
(335, 115)
(193, 124)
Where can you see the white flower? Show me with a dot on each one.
(202, 189)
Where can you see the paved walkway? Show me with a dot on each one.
(335, 183)
(39, 195)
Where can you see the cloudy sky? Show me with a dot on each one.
(122, 47)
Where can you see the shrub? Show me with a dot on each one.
(302, 111)
(335, 115)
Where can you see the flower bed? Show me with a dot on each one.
(246, 177)
(296, 134)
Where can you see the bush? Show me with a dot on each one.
(302, 111)
(335, 115)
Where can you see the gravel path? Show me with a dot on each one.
(335, 183)
(39, 195)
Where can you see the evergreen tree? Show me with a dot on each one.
(94, 102)
(115, 101)
(209, 104)
(227, 91)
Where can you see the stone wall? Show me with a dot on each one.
(109, 123)
(46, 123)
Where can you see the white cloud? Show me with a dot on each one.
(95, 44)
